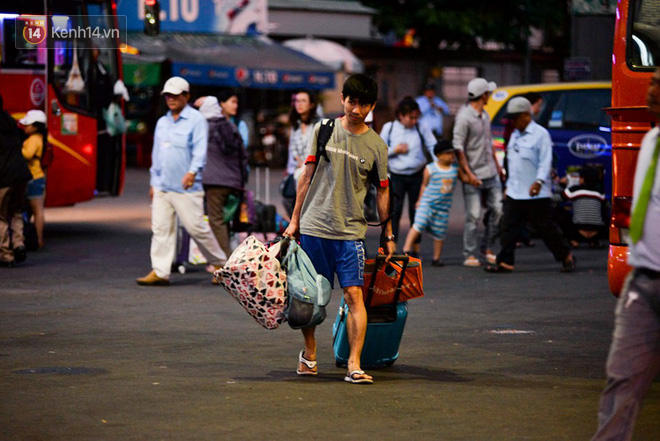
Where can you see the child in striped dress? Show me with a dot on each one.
(588, 206)
(435, 199)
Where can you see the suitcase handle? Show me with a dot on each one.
(380, 259)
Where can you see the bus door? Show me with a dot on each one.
(82, 74)
(636, 54)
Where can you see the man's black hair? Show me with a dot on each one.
(362, 88)
(533, 97)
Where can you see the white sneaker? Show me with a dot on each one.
(491, 258)
(472, 262)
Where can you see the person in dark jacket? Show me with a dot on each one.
(225, 172)
(14, 175)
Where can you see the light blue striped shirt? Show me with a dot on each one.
(529, 156)
(179, 148)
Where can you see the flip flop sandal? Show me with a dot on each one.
(353, 377)
(311, 365)
(497, 269)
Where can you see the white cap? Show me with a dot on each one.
(32, 117)
(519, 104)
(120, 89)
(175, 86)
(210, 108)
(479, 86)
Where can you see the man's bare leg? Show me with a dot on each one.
(356, 325)
(310, 349)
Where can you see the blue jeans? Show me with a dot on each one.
(491, 191)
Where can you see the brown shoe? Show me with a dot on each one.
(152, 279)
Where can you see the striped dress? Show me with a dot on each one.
(432, 216)
(587, 205)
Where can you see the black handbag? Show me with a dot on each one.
(288, 187)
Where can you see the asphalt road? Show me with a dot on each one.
(86, 354)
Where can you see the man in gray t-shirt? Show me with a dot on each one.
(481, 172)
(330, 216)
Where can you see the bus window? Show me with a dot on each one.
(645, 33)
(68, 78)
(99, 17)
(23, 56)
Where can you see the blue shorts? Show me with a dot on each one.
(343, 257)
(36, 188)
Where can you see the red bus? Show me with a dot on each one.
(635, 56)
(55, 76)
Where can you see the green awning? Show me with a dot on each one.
(141, 74)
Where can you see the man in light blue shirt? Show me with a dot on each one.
(529, 156)
(432, 108)
(178, 157)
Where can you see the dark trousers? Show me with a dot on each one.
(403, 185)
(216, 198)
(537, 212)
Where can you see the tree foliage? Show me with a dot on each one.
(466, 22)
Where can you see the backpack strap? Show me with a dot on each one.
(425, 149)
(325, 132)
(389, 134)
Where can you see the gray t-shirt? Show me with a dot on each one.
(334, 206)
(472, 135)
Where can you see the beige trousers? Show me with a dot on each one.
(189, 207)
(11, 199)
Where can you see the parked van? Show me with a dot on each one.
(574, 114)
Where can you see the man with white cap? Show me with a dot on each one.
(528, 192)
(481, 172)
(178, 156)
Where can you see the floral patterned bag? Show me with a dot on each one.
(254, 277)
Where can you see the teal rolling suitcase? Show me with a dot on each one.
(385, 324)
